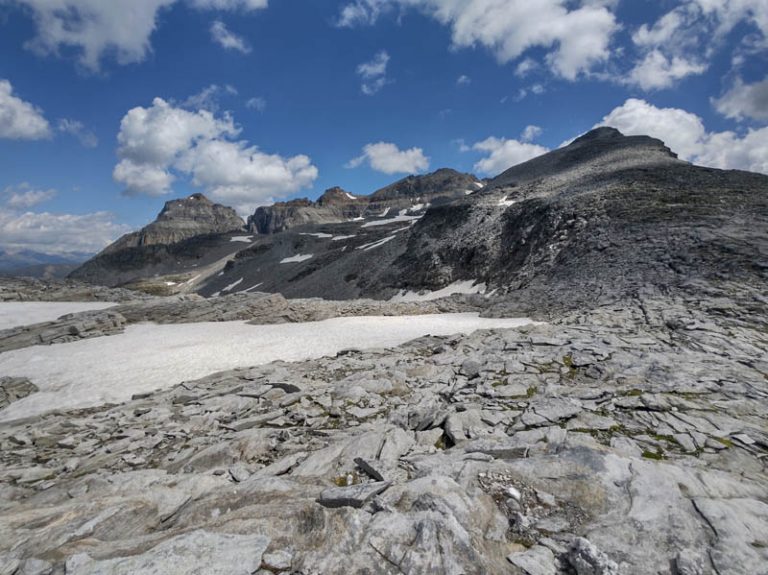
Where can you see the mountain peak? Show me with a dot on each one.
(604, 148)
(335, 195)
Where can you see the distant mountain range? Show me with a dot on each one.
(35, 264)
(605, 215)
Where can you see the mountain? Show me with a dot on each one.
(187, 234)
(596, 220)
(37, 264)
(337, 205)
(180, 220)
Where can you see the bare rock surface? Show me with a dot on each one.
(626, 439)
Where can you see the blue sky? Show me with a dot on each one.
(108, 109)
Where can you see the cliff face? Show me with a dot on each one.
(337, 205)
(180, 220)
(187, 233)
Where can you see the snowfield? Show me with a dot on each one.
(14, 314)
(459, 287)
(148, 357)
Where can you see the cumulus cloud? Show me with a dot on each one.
(161, 143)
(228, 39)
(58, 234)
(745, 101)
(530, 133)
(576, 37)
(78, 130)
(374, 73)
(24, 196)
(463, 80)
(681, 42)
(20, 120)
(686, 135)
(49, 233)
(504, 153)
(389, 159)
(658, 71)
(93, 28)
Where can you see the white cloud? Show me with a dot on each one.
(228, 39)
(258, 103)
(20, 120)
(463, 80)
(389, 159)
(681, 42)
(657, 71)
(93, 28)
(686, 135)
(577, 38)
(24, 196)
(530, 133)
(362, 12)
(208, 97)
(745, 101)
(58, 233)
(161, 143)
(526, 67)
(77, 129)
(374, 73)
(504, 154)
(229, 4)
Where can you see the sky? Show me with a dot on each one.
(110, 108)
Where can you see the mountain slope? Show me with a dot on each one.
(188, 233)
(597, 220)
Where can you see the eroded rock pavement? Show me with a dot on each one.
(632, 439)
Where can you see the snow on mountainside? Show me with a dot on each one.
(568, 225)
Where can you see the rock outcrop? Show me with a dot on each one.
(597, 220)
(628, 439)
(180, 220)
(337, 205)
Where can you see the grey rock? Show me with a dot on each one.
(352, 496)
(538, 560)
(195, 553)
(587, 559)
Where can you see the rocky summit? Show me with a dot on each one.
(624, 431)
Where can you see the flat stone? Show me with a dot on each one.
(352, 496)
(538, 560)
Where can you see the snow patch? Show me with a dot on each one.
(149, 357)
(460, 287)
(297, 258)
(14, 314)
(400, 218)
(350, 196)
(479, 185)
(376, 244)
(232, 286)
(385, 212)
(340, 238)
(506, 202)
(253, 287)
(318, 235)
(244, 239)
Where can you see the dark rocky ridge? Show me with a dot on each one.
(594, 221)
(337, 205)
